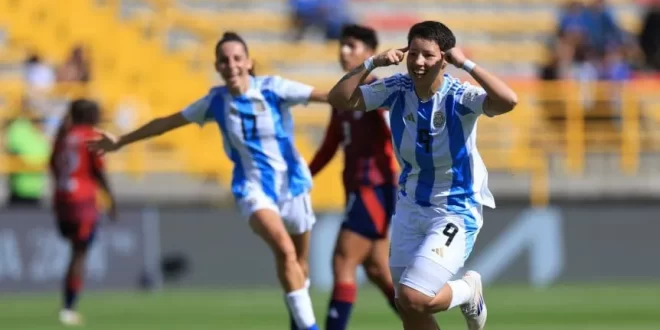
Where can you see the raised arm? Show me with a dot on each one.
(294, 93)
(347, 94)
(197, 112)
(328, 147)
(500, 98)
(158, 126)
(318, 96)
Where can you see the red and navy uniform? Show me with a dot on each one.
(369, 171)
(73, 167)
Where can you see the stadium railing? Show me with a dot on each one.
(551, 119)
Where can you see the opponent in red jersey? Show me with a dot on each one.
(77, 174)
(370, 185)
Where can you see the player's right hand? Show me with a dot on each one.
(390, 57)
(106, 142)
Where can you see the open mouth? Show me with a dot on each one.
(419, 73)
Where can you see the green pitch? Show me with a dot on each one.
(601, 307)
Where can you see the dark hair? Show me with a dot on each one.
(33, 59)
(434, 31)
(362, 33)
(83, 111)
(233, 36)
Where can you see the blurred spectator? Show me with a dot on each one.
(27, 143)
(572, 17)
(602, 30)
(327, 15)
(614, 65)
(649, 39)
(76, 68)
(38, 75)
(40, 80)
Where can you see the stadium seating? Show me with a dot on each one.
(155, 56)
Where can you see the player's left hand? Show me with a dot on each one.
(106, 142)
(455, 57)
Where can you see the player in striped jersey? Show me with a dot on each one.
(443, 182)
(271, 181)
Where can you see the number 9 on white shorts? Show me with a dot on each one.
(442, 236)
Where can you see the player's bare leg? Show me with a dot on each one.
(377, 268)
(73, 284)
(413, 308)
(268, 225)
(301, 243)
(351, 250)
(417, 308)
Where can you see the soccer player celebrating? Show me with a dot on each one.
(443, 182)
(370, 185)
(78, 174)
(271, 181)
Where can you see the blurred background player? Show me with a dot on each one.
(369, 183)
(444, 183)
(78, 174)
(271, 181)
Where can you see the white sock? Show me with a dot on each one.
(300, 305)
(460, 293)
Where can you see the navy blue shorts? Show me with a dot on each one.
(369, 211)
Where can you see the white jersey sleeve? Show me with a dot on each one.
(380, 94)
(473, 98)
(289, 91)
(198, 112)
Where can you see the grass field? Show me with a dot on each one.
(602, 307)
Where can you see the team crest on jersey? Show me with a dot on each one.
(439, 119)
(258, 106)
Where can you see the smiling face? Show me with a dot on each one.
(424, 61)
(233, 64)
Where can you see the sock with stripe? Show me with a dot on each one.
(341, 304)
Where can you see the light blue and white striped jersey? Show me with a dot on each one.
(435, 141)
(257, 132)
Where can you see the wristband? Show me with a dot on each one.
(369, 64)
(469, 65)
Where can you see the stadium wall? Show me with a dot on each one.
(202, 247)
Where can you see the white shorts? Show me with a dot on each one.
(443, 237)
(296, 212)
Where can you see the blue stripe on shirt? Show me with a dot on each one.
(424, 154)
(398, 127)
(253, 144)
(217, 108)
(461, 195)
(298, 182)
